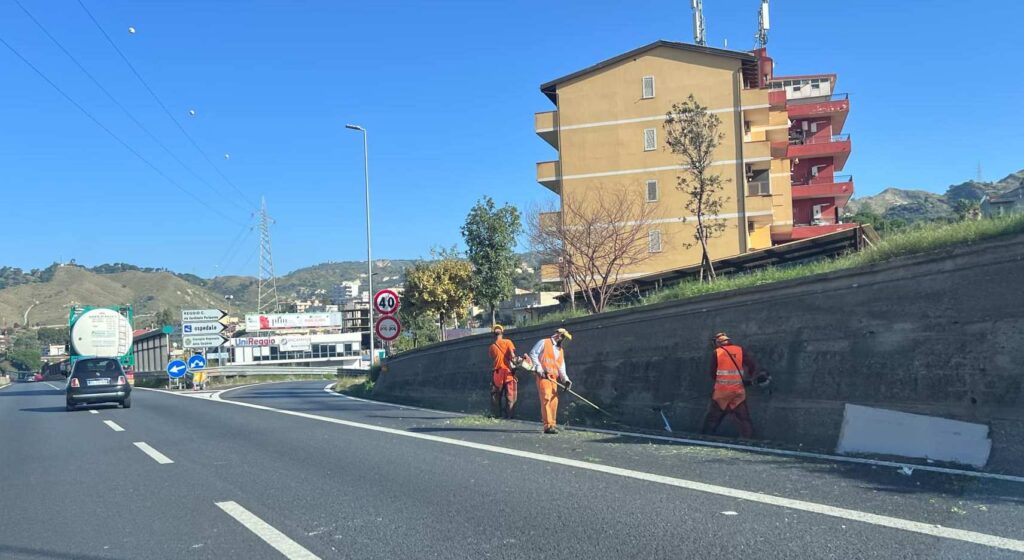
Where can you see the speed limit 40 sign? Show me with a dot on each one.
(386, 302)
(388, 328)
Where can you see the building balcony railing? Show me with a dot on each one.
(837, 106)
(840, 187)
(545, 124)
(836, 146)
(548, 175)
(820, 99)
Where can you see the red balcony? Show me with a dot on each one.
(837, 106)
(777, 98)
(837, 147)
(841, 187)
(806, 232)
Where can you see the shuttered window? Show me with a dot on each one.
(650, 139)
(652, 191)
(654, 241)
(648, 87)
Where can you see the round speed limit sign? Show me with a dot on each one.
(386, 302)
(388, 328)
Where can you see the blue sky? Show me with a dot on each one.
(447, 90)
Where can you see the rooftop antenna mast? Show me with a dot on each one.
(698, 22)
(761, 39)
(267, 289)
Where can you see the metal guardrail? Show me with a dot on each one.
(818, 99)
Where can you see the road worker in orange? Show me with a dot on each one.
(503, 379)
(549, 362)
(728, 365)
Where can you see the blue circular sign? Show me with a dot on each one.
(196, 362)
(176, 369)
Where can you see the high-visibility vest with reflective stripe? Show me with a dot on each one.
(727, 377)
(549, 362)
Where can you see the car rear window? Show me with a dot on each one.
(97, 368)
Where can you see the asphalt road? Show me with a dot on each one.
(288, 470)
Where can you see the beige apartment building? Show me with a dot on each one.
(608, 130)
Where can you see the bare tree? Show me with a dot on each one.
(595, 239)
(693, 134)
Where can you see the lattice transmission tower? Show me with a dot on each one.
(267, 291)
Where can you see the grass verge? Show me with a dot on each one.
(914, 241)
(355, 386)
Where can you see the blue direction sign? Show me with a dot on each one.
(176, 369)
(196, 362)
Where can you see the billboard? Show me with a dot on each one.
(283, 343)
(272, 321)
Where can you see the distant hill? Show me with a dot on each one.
(68, 285)
(150, 290)
(916, 205)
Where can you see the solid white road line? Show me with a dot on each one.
(54, 386)
(289, 548)
(153, 453)
(973, 537)
(91, 411)
(113, 426)
(734, 446)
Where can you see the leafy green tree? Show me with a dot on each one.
(490, 233)
(53, 335)
(165, 317)
(418, 329)
(967, 210)
(24, 352)
(441, 288)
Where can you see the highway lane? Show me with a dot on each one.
(344, 491)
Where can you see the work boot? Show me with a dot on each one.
(551, 430)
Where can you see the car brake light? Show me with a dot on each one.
(74, 382)
(120, 380)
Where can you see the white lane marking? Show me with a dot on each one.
(153, 453)
(91, 411)
(330, 391)
(736, 446)
(54, 386)
(973, 537)
(289, 548)
(113, 425)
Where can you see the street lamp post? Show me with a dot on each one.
(369, 251)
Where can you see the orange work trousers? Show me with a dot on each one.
(547, 391)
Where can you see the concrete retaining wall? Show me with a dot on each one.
(939, 334)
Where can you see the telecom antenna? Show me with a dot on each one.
(761, 39)
(698, 22)
(267, 291)
(981, 177)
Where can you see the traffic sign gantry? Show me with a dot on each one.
(386, 302)
(176, 369)
(388, 328)
(196, 362)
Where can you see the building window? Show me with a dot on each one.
(652, 191)
(654, 241)
(650, 139)
(648, 87)
(759, 182)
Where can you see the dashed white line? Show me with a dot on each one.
(91, 411)
(289, 548)
(113, 426)
(153, 453)
(886, 521)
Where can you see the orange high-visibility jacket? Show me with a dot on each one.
(552, 366)
(728, 378)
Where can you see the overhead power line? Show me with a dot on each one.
(113, 135)
(119, 104)
(164, 107)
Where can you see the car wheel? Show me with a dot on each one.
(127, 402)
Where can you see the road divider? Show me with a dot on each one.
(286, 546)
(153, 453)
(113, 425)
